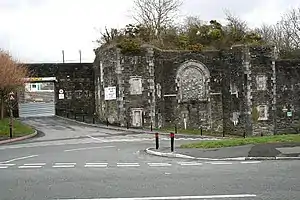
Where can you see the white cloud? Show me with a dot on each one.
(37, 30)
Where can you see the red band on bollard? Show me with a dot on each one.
(172, 135)
(156, 135)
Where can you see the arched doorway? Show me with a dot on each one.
(194, 110)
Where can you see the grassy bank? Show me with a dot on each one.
(243, 141)
(19, 129)
(190, 131)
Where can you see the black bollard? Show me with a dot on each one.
(93, 120)
(223, 133)
(172, 135)
(175, 129)
(151, 127)
(10, 130)
(156, 141)
(67, 115)
(244, 134)
(127, 125)
(75, 116)
(201, 131)
(106, 121)
(83, 118)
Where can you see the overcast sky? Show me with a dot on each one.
(38, 30)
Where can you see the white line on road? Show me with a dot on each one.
(159, 164)
(92, 166)
(88, 148)
(94, 138)
(128, 164)
(63, 166)
(220, 163)
(96, 163)
(250, 162)
(3, 167)
(29, 167)
(7, 164)
(190, 164)
(178, 197)
(34, 164)
(65, 163)
(21, 158)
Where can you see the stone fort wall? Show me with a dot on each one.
(236, 91)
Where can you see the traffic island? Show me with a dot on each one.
(20, 131)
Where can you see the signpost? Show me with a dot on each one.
(11, 99)
(61, 94)
(110, 93)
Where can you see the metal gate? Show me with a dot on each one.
(37, 100)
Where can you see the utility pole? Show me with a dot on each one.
(63, 55)
(80, 56)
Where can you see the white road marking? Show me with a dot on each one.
(159, 164)
(29, 167)
(190, 163)
(95, 166)
(128, 164)
(220, 163)
(65, 163)
(250, 162)
(3, 167)
(94, 138)
(34, 164)
(96, 163)
(21, 158)
(179, 197)
(63, 166)
(88, 148)
(7, 164)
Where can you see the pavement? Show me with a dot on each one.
(72, 161)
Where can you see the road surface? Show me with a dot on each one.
(72, 161)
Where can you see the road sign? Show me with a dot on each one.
(110, 93)
(61, 91)
(11, 96)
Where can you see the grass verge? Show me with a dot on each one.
(19, 129)
(191, 132)
(243, 141)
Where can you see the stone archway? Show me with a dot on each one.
(192, 81)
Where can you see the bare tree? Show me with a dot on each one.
(156, 14)
(290, 25)
(285, 34)
(236, 28)
(109, 36)
(12, 76)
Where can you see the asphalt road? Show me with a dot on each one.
(71, 161)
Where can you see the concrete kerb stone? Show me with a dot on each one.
(176, 155)
(19, 138)
(170, 155)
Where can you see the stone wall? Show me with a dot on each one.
(234, 91)
(288, 96)
(77, 81)
(127, 73)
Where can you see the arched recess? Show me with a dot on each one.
(192, 82)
